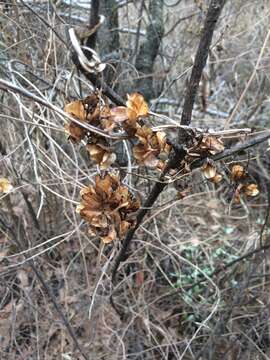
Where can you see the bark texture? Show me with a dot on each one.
(149, 49)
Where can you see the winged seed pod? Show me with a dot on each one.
(205, 145)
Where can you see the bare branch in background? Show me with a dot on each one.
(149, 48)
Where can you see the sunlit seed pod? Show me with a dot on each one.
(251, 190)
(209, 169)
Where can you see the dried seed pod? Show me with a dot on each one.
(151, 145)
(108, 207)
(209, 169)
(101, 155)
(76, 108)
(92, 110)
(216, 179)
(251, 189)
(211, 144)
(204, 145)
(237, 172)
(236, 195)
(75, 132)
(136, 106)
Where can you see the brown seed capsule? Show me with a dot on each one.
(216, 179)
(238, 172)
(209, 169)
(251, 189)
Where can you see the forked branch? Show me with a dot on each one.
(213, 14)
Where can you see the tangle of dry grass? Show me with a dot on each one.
(178, 305)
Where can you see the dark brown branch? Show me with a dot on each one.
(214, 11)
(94, 20)
(212, 16)
(157, 189)
(253, 141)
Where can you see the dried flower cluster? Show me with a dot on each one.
(94, 110)
(238, 175)
(151, 146)
(205, 145)
(108, 207)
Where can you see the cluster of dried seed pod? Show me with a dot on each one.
(108, 207)
(150, 147)
(238, 176)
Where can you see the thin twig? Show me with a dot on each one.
(249, 81)
(47, 289)
(8, 86)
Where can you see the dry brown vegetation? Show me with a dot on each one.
(195, 284)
